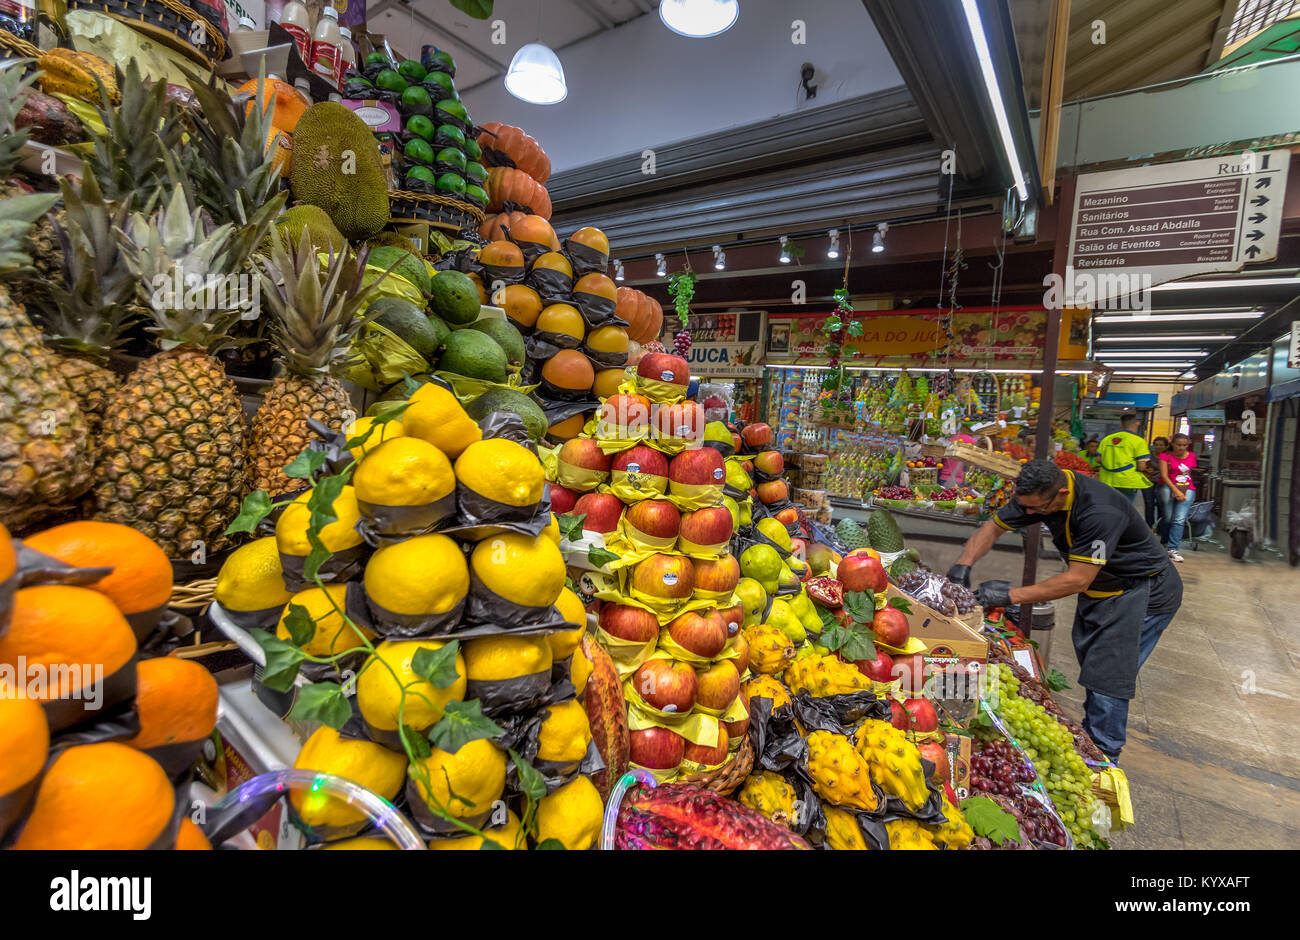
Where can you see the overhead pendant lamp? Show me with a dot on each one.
(699, 19)
(536, 75)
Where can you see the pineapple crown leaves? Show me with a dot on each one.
(130, 155)
(15, 86)
(16, 217)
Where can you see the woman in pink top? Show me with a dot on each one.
(1176, 466)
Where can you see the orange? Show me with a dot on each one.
(289, 104)
(99, 796)
(598, 285)
(24, 742)
(482, 291)
(142, 575)
(569, 427)
(607, 382)
(522, 304)
(501, 254)
(177, 701)
(593, 238)
(534, 230)
(8, 557)
(554, 261)
(56, 625)
(563, 319)
(570, 370)
(608, 339)
(190, 837)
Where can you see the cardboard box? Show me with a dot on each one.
(954, 646)
(959, 748)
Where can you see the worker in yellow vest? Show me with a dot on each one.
(1123, 456)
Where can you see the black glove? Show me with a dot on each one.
(994, 594)
(960, 574)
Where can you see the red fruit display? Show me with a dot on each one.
(734, 618)
(603, 510)
(684, 420)
(937, 754)
(656, 518)
(899, 716)
(880, 669)
(924, 716)
(741, 646)
(684, 816)
(717, 686)
(826, 592)
(656, 748)
(585, 453)
(606, 713)
(890, 627)
(666, 684)
(664, 367)
(700, 467)
(709, 755)
(706, 527)
(563, 499)
(641, 459)
(717, 577)
(757, 434)
(700, 632)
(667, 576)
(626, 622)
(630, 412)
(910, 672)
(773, 491)
(862, 573)
(770, 461)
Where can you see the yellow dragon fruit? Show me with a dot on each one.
(766, 687)
(824, 675)
(908, 834)
(771, 795)
(894, 761)
(956, 833)
(841, 776)
(770, 650)
(842, 832)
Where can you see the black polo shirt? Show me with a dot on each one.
(1099, 527)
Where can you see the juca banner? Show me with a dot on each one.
(891, 337)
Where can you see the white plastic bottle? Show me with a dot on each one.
(325, 43)
(347, 54)
(297, 23)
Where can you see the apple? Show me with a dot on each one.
(773, 491)
(684, 420)
(709, 756)
(899, 716)
(937, 754)
(563, 499)
(664, 367)
(712, 525)
(748, 467)
(666, 684)
(788, 516)
(758, 434)
(890, 627)
(862, 573)
(719, 576)
(626, 622)
(770, 461)
(738, 727)
(700, 632)
(656, 748)
(741, 646)
(643, 460)
(718, 685)
(880, 669)
(585, 453)
(701, 467)
(603, 510)
(668, 576)
(734, 618)
(657, 518)
(924, 717)
(626, 411)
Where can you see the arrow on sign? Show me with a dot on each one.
(1252, 250)
(1259, 200)
(1255, 235)
(1258, 217)
(1262, 182)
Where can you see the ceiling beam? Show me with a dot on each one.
(596, 13)
(438, 30)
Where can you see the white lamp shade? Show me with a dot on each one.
(699, 19)
(536, 75)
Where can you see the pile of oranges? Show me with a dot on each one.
(111, 794)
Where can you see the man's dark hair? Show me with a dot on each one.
(1183, 437)
(1039, 478)
(1129, 420)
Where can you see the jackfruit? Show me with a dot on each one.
(336, 166)
(771, 795)
(824, 675)
(895, 762)
(325, 236)
(842, 832)
(770, 687)
(840, 774)
(956, 833)
(770, 650)
(908, 834)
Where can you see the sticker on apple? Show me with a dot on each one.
(718, 474)
(670, 579)
(667, 376)
(634, 468)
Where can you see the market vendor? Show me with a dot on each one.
(1128, 591)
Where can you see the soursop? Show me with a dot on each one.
(852, 535)
(883, 531)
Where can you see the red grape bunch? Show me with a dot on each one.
(682, 342)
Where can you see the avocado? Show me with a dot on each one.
(412, 71)
(409, 322)
(416, 100)
(390, 80)
(421, 126)
(357, 200)
(452, 156)
(419, 150)
(448, 135)
(409, 265)
(476, 194)
(507, 399)
(508, 338)
(474, 355)
(451, 183)
(473, 150)
(454, 109)
(423, 174)
(440, 86)
(475, 173)
(377, 58)
(454, 297)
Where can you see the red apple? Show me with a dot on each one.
(710, 526)
(717, 577)
(879, 669)
(741, 646)
(718, 685)
(563, 499)
(664, 367)
(666, 684)
(890, 627)
(656, 748)
(683, 420)
(773, 491)
(770, 461)
(666, 576)
(758, 434)
(700, 632)
(937, 754)
(628, 623)
(585, 453)
(924, 717)
(702, 466)
(626, 411)
(734, 618)
(738, 727)
(898, 715)
(602, 510)
(709, 756)
(656, 518)
(643, 460)
(862, 573)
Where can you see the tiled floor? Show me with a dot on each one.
(1213, 756)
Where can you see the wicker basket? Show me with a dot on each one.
(729, 776)
(194, 597)
(1000, 464)
(451, 215)
(170, 22)
(923, 476)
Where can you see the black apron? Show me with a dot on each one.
(1108, 629)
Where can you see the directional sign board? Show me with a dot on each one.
(1136, 228)
(1293, 350)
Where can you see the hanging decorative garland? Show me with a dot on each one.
(681, 286)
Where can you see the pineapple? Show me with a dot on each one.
(171, 458)
(314, 316)
(132, 158)
(44, 458)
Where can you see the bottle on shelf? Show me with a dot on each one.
(297, 23)
(325, 43)
(347, 56)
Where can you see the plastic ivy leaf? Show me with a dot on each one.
(299, 624)
(833, 324)
(599, 557)
(571, 526)
(321, 504)
(479, 9)
(323, 702)
(549, 845)
(487, 845)
(1056, 680)
(989, 820)
(282, 661)
(256, 507)
(305, 464)
(438, 666)
(861, 605)
(901, 603)
(461, 723)
(855, 328)
(531, 783)
(419, 744)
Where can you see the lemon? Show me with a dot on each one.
(476, 774)
(371, 765)
(405, 471)
(251, 578)
(525, 569)
(571, 609)
(371, 843)
(506, 657)
(502, 471)
(552, 530)
(361, 427)
(752, 598)
(565, 732)
(423, 575)
(379, 691)
(437, 417)
(579, 670)
(507, 835)
(775, 530)
(762, 562)
(332, 635)
(572, 814)
(291, 529)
